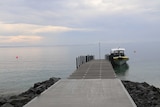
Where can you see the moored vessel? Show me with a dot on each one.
(117, 56)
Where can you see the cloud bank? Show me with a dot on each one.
(101, 20)
(14, 33)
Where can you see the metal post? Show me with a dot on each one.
(99, 50)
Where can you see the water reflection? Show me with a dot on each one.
(121, 70)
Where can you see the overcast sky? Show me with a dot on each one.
(57, 22)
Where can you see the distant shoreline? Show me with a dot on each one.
(58, 45)
(143, 94)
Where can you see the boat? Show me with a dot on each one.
(117, 56)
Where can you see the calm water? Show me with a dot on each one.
(36, 64)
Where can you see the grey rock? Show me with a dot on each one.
(143, 94)
(19, 101)
(25, 97)
(2, 101)
(7, 105)
(36, 85)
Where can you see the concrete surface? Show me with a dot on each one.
(93, 84)
(84, 93)
(95, 69)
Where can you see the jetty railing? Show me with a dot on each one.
(83, 59)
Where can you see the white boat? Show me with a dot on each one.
(117, 56)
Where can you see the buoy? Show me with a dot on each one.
(17, 57)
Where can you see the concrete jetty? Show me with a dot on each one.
(95, 69)
(93, 84)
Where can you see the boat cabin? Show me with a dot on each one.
(118, 52)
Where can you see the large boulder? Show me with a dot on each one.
(3, 101)
(7, 105)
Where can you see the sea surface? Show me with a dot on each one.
(21, 66)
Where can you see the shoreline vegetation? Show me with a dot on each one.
(143, 94)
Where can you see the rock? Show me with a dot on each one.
(145, 84)
(2, 101)
(25, 97)
(157, 105)
(36, 85)
(7, 105)
(143, 94)
(19, 101)
(40, 89)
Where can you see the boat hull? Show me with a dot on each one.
(117, 56)
(119, 60)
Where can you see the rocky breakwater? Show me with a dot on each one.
(25, 97)
(143, 94)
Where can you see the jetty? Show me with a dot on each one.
(93, 84)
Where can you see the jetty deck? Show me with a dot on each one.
(95, 69)
(93, 84)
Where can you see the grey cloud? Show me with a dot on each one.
(71, 12)
(124, 19)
